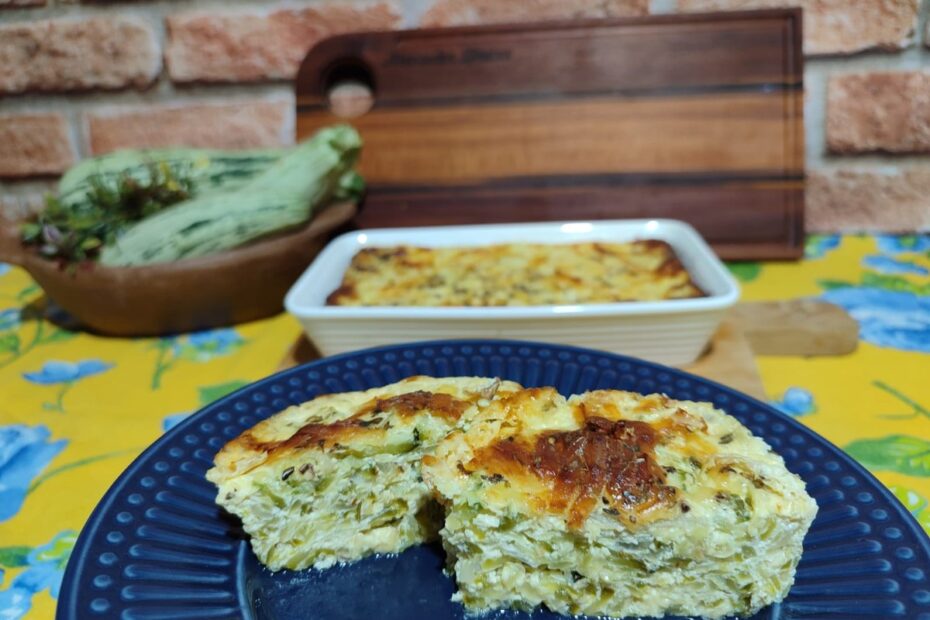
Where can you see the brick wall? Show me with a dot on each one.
(81, 77)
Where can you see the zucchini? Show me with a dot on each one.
(283, 196)
(351, 187)
(207, 170)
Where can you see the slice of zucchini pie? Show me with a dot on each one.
(338, 478)
(617, 504)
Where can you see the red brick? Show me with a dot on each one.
(836, 26)
(61, 55)
(236, 46)
(34, 145)
(464, 12)
(869, 112)
(229, 126)
(14, 4)
(868, 200)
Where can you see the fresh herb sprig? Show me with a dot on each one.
(76, 231)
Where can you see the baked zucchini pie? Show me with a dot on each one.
(612, 503)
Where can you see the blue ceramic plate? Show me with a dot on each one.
(157, 548)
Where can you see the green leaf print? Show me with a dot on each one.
(9, 343)
(197, 347)
(13, 557)
(210, 393)
(745, 271)
(79, 463)
(29, 291)
(915, 503)
(164, 361)
(911, 500)
(59, 550)
(13, 347)
(829, 285)
(877, 280)
(917, 408)
(894, 283)
(58, 335)
(901, 453)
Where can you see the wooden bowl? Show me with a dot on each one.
(240, 285)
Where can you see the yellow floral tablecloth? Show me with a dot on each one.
(76, 409)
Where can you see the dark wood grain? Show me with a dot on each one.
(695, 117)
(460, 143)
(712, 208)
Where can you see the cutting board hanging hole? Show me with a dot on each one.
(350, 89)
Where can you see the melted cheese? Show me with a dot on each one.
(613, 503)
(515, 275)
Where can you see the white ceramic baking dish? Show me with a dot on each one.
(670, 332)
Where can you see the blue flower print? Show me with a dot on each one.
(43, 570)
(4, 269)
(24, 452)
(817, 246)
(214, 341)
(53, 372)
(894, 319)
(10, 318)
(170, 421)
(796, 402)
(65, 374)
(886, 264)
(198, 347)
(900, 244)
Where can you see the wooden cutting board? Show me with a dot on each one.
(694, 117)
(796, 327)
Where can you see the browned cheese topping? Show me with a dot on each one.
(517, 274)
(368, 419)
(606, 461)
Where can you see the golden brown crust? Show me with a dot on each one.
(515, 274)
(365, 421)
(341, 294)
(411, 403)
(353, 420)
(633, 457)
(607, 461)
